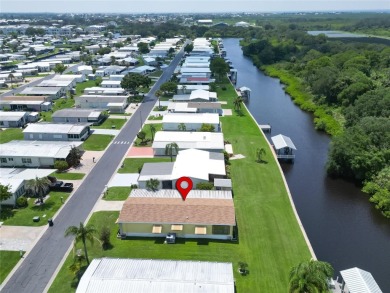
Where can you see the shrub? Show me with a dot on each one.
(134, 186)
(205, 186)
(21, 202)
(61, 165)
(104, 237)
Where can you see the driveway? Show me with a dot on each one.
(17, 238)
(87, 162)
(114, 132)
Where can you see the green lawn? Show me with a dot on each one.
(23, 217)
(270, 239)
(8, 259)
(131, 165)
(68, 176)
(162, 108)
(146, 129)
(152, 117)
(157, 73)
(97, 142)
(108, 123)
(11, 134)
(58, 105)
(117, 193)
(80, 87)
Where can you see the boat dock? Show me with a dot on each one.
(265, 127)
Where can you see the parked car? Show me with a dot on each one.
(61, 186)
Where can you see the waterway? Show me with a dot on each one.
(343, 227)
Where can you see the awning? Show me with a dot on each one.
(176, 227)
(200, 230)
(157, 229)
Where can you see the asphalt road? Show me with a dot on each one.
(35, 82)
(39, 265)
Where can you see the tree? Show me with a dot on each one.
(260, 153)
(11, 78)
(113, 60)
(188, 48)
(61, 165)
(310, 276)
(219, 67)
(74, 157)
(237, 103)
(171, 149)
(169, 87)
(142, 135)
(243, 268)
(143, 48)
(104, 50)
(132, 81)
(152, 184)
(39, 187)
(32, 51)
(104, 237)
(171, 50)
(5, 193)
(152, 130)
(158, 94)
(182, 127)
(207, 128)
(59, 68)
(82, 233)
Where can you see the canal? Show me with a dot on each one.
(343, 227)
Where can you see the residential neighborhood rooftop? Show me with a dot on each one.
(145, 276)
(173, 193)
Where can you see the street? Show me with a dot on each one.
(40, 263)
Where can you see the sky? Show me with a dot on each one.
(191, 6)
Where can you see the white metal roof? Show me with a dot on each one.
(25, 174)
(41, 90)
(210, 118)
(13, 183)
(360, 281)
(202, 94)
(281, 141)
(11, 116)
(173, 193)
(187, 139)
(42, 149)
(147, 276)
(55, 128)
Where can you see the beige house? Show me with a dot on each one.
(155, 215)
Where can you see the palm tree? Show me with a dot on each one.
(152, 130)
(171, 149)
(158, 94)
(237, 103)
(82, 233)
(11, 78)
(182, 127)
(310, 276)
(38, 187)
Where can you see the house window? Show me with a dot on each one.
(3, 160)
(10, 159)
(26, 160)
(221, 230)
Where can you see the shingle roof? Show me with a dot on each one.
(172, 210)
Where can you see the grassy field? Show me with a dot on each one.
(8, 259)
(11, 134)
(24, 216)
(157, 73)
(80, 87)
(58, 105)
(151, 117)
(108, 123)
(117, 193)
(146, 129)
(131, 165)
(68, 176)
(270, 239)
(162, 108)
(97, 142)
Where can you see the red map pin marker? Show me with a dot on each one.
(184, 185)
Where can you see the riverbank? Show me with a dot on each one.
(322, 119)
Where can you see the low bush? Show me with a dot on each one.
(22, 202)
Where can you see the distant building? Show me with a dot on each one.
(57, 131)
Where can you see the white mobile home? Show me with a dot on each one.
(192, 122)
(77, 115)
(57, 132)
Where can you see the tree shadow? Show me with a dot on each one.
(239, 113)
(262, 161)
(108, 246)
(78, 275)
(43, 207)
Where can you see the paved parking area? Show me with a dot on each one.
(227, 112)
(17, 238)
(108, 205)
